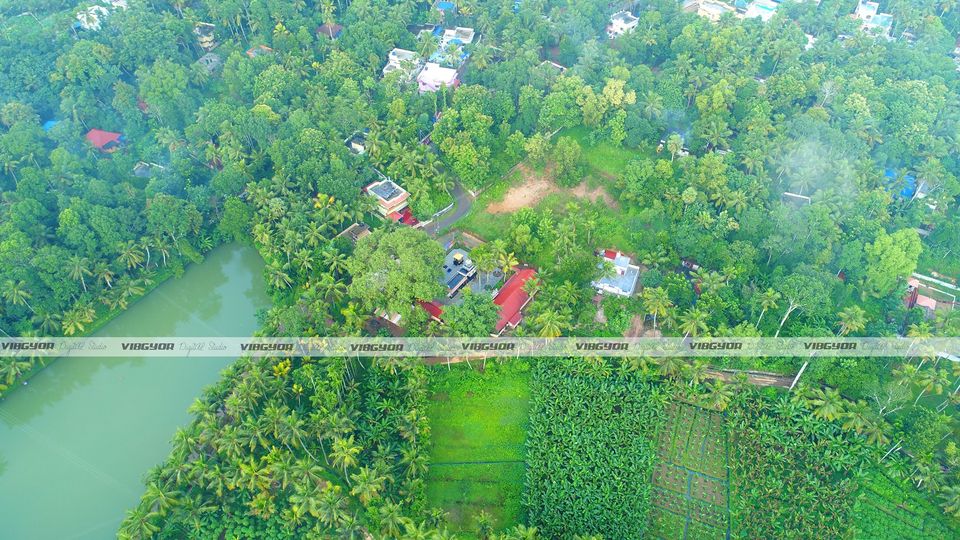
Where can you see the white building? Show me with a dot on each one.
(404, 61)
(623, 280)
(434, 76)
(710, 9)
(871, 20)
(458, 36)
(621, 22)
(764, 9)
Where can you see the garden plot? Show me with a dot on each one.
(691, 481)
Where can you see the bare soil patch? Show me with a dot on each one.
(537, 186)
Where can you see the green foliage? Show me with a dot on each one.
(589, 450)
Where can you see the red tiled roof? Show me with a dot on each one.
(610, 254)
(100, 138)
(432, 308)
(512, 298)
(406, 217)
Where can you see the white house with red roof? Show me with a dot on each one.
(512, 299)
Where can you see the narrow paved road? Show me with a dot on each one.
(462, 204)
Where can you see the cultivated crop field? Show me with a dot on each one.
(887, 510)
(690, 482)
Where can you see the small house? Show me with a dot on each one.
(621, 22)
(391, 200)
(622, 280)
(105, 141)
(329, 31)
(871, 20)
(512, 299)
(403, 61)
(458, 270)
(205, 36)
(762, 9)
(259, 50)
(355, 232)
(211, 63)
(433, 77)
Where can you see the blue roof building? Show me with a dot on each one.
(49, 124)
(909, 187)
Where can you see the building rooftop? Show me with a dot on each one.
(330, 31)
(104, 140)
(512, 299)
(386, 190)
(458, 270)
(625, 276)
(434, 76)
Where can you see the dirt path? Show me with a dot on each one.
(756, 378)
(536, 186)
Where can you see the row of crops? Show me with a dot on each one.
(590, 452)
(886, 509)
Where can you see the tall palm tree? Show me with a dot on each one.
(130, 255)
(344, 452)
(16, 293)
(768, 300)
(652, 105)
(507, 262)
(827, 404)
(852, 319)
(932, 380)
(78, 267)
(551, 324)
(719, 395)
(656, 302)
(104, 273)
(367, 485)
(693, 322)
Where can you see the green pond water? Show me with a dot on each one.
(76, 441)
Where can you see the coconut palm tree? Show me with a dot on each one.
(367, 485)
(344, 452)
(551, 324)
(674, 145)
(852, 319)
(104, 273)
(130, 254)
(693, 322)
(656, 302)
(932, 380)
(507, 262)
(16, 294)
(828, 404)
(77, 268)
(951, 500)
(768, 300)
(719, 395)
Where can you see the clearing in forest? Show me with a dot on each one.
(536, 185)
(478, 421)
(691, 480)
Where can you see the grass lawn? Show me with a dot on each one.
(603, 158)
(478, 430)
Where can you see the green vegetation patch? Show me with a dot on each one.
(889, 509)
(590, 451)
(478, 425)
(691, 480)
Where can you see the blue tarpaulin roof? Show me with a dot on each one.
(445, 6)
(909, 183)
(48, 125)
